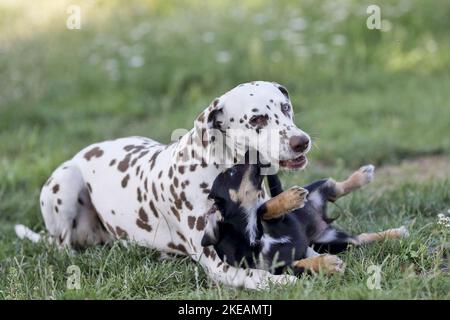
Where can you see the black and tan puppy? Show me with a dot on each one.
(260, 234)
(244, 229)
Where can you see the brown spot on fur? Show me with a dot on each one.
(203, 185)
(206, 251)
(95, 152)
(178, 247)
(143, 225)
(191, 222)
(59, 201)
(125, 180)
(181, 169)
(175, 182)
(200, 223)
(153, 209)
(113, 162)
(154, 191)
(170, 173)
(143, 215)
(175, 213)
(182, 237)
(139, 195)
(55, 188)
(124, 164)
(121, 233)
(153, 159)
(189, 205)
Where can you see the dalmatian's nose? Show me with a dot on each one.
(299, 143)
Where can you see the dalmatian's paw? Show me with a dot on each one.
(284, 279)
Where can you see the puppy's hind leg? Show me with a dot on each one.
(395, 233)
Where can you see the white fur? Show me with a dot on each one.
(268, 241)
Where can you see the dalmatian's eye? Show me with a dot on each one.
(285, 107)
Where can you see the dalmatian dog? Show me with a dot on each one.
(142, 191)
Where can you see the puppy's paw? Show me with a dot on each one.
(296, 197)
(330, 264)
(366, 174)
(401, 232)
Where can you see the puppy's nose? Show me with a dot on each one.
(299, 143)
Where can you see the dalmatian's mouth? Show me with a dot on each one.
(294, 164)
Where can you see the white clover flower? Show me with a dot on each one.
(444, 220)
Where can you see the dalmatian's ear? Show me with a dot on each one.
(282, 89)
(212, 117)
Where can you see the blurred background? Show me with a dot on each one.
(148, 67)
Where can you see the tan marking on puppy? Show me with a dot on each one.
(396, 233)
(247, 194)
(326, 263)
(285, 202)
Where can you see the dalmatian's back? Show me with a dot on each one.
(119, 189)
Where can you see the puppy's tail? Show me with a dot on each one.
(24, 232)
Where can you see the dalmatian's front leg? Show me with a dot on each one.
(222, 272)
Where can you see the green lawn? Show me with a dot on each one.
(148, 67)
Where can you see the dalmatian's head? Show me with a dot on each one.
(256, 110)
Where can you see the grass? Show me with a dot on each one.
(150, 66)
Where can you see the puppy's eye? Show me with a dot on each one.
(259, 120)
(232, 172)
(285, 107)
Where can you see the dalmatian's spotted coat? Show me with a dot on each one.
(140, 190)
